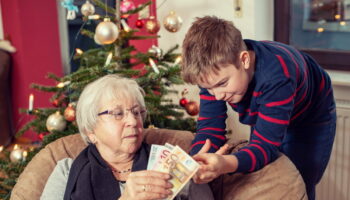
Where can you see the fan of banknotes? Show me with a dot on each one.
(176, 162)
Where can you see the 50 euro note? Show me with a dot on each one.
(180, 166)
(157, 155)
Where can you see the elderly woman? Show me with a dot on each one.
(110, 114)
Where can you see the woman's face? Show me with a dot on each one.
(120, 131)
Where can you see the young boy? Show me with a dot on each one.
(283, 94)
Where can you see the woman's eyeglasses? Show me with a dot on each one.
(120, 114)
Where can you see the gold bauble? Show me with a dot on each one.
(16, 155)
(106, 32)
(152, 25)
(87, 9)
(172, 22)
(55, 122)
(96, 40)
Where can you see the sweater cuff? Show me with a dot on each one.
(244, 162)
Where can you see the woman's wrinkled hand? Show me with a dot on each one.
(147, 184)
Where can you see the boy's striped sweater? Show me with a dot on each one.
(289, 89)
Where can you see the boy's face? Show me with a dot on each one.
(229, 84)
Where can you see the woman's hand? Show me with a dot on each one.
(213, 165)
(147, 184)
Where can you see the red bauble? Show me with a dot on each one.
(192, 108)
(55, 102)
(183, 101)
(139, 23)
(41, 136)
(69, 113)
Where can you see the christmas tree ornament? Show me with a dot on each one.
(69, 113)
(16, 154)
(71, 9)
(41, 136)
(183, 101)
(96, 40)
(152, 25)
(55, 122)
(56, 102)
(139, 23)
(106, 32)
(126, 6)
(156, 51)
(172, 22)
(87, 9)
(192, 108)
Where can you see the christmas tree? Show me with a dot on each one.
(154, 70)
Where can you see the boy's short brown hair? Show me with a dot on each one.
(209, 43)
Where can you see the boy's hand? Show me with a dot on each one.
(213, 164)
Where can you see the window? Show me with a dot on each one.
(320, 28)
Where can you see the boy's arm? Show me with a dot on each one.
(211, 123)
(274, 115)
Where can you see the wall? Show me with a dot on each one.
(256, 23)
(33, 29)
(1, 28)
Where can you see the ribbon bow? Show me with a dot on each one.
(69, 5)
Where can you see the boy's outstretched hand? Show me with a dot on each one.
(213, 165)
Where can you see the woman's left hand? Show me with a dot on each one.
(147, 184)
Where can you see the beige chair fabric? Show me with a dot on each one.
(279, 180)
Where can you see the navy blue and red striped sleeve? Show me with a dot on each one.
(211, 123)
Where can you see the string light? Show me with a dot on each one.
(125, 25)
(153, 65)
(62, 84)
(31, 102)
(337, 16)
(109, 59)
(24, 154)
(94, 17)
(79, 51)
(178, 60)
(320, 29)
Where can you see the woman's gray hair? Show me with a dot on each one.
(109, 87)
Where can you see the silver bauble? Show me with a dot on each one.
(156, 51)
(172, 22)
(16, 155)
(106, 32)
(87, 9)
(56, 122)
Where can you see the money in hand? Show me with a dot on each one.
(176, 162)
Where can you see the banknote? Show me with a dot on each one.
(180, 166)
(157, 155)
